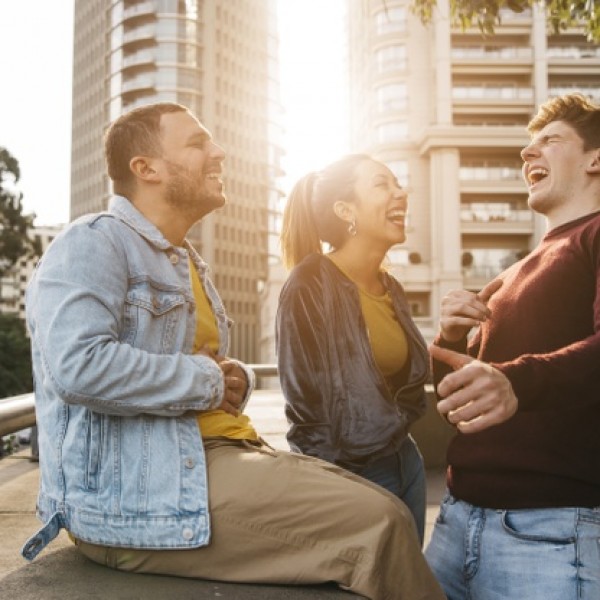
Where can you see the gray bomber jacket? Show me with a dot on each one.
(337, 402)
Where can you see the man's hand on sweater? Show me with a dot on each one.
(462, 310)
(475, 395)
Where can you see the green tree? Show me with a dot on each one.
(14, 225)
(562, 14)
(15, 357)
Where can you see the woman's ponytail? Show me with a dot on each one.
(299, 236)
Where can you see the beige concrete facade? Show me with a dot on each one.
(447, 109)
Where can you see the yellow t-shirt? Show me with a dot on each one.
(214, 423)
(386, 336)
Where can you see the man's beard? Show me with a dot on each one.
(188, 194)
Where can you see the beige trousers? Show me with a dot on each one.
(285, 518)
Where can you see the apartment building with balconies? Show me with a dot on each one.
(446, 109)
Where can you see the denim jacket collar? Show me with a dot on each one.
(123, 209)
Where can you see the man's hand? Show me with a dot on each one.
(462, 310)
(236, 385)
(234, 378)
(476, 395)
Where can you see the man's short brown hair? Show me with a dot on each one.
(135, 133)
(576, 110)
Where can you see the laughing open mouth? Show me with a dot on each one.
(396, 216)
(536, 175)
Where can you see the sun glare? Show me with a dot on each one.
(313, 84)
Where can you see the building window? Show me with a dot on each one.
(390, 20)
(391, 97)
(400, 169)
(392, 132)
(390, 58)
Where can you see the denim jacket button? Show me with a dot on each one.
(174, 259)
(187, 534)
(189, 463)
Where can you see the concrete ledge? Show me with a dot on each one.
(67, 575)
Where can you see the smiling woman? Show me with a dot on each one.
(352, 363)
(313, 84)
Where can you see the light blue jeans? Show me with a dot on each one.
(532, 554)
(403, 474)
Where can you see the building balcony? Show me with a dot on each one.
(560, 90)
(585, 65)
(493, 186)
(516, 222)
(475, 278)
(482, 60)
(497, 99)
(138, 35)
(138, 59)
(139, 84)
(139, 10)
(473, 136)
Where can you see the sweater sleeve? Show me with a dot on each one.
(575, 367)
(533, 375)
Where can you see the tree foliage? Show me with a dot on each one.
(561, 14)
(15, 357)
(14, 225)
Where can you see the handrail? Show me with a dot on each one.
(18, 412)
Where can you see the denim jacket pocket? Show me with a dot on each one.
(152, 314)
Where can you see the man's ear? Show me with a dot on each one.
(143, 168)
(594, 165)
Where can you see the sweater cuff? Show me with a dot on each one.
(460, 346)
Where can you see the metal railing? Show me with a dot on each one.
(18, 412)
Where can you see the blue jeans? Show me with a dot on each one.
(403, 474)
(530, 554)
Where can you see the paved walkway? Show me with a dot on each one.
(61, 573)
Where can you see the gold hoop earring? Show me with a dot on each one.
(352, 228)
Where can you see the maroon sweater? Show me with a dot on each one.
(544, 335)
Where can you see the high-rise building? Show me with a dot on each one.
(446, 109)
(219, 58)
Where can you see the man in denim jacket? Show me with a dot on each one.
(146, 457)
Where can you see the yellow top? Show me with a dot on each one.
(386, 336)
(214, 423)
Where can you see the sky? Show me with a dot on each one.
(36, 41)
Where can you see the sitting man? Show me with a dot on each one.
(145, 456)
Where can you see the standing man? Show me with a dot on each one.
(145, 456)
(522, 519)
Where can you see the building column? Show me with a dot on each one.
(445, 223)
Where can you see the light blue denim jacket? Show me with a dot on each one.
(112, 320)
